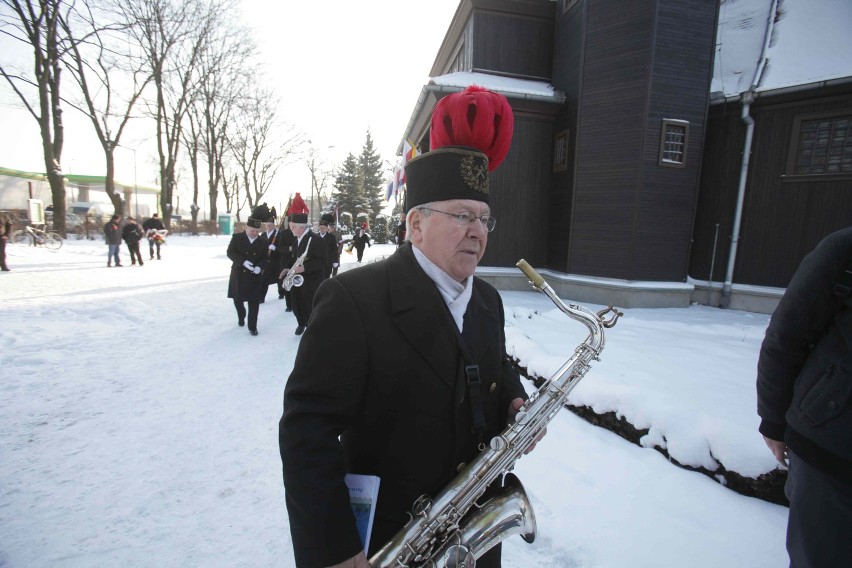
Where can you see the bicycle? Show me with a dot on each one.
(37, 237)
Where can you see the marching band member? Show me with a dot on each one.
(248, 253)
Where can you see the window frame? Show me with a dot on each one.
(789, 174)
(561, 165)
(662, 160)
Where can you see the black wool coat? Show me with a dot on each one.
(315, 272)
(388, 399)
(244, 285)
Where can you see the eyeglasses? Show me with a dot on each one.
(466, 218)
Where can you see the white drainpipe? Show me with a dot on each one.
(747, 99)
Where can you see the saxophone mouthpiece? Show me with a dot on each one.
(530, 273)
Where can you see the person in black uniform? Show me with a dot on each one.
(329, 239)
(248, 253)
(398, 371)
(276, 253)
(312, 269)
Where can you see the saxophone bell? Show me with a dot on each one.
(296, 281)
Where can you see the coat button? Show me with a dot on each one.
(493, 387)
(460, 466)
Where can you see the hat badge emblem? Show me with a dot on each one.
(475, 173)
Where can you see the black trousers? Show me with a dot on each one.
(253, 309)
(151, 245)
(135, 255)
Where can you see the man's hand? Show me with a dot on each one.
(358, 561)
(779, 450)
(514, 407)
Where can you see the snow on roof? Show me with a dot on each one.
(810, 42)
(504, 85)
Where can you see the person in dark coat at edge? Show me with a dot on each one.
(275, 253)
(329, 239)
(248, 253)
(312, 270)
(5, 235)
(132, 233)
(392, 400)
(804, 399)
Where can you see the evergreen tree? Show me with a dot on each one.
(359, 185)
(373, 178)
(346, 186)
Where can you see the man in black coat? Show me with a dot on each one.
(278, 248)
(132, 234)
(393, 399)
(248, 253)
(804, 399)
(329, 239)
(312, 269)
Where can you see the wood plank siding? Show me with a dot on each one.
(783, 218)
(632, 218)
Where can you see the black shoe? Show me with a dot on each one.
(158, 257)
(117, 264)
(133, 263)
(241, 323)
(280, 296)
(4, 269)
(152, 257)
(300, 330)
(253, 331)
(141, 263)
(289, 309)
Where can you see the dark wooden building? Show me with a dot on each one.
(632, 121)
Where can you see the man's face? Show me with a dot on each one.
(252, 232)
(298, 228)
(269, 227)
(323, 229)
(454, 248)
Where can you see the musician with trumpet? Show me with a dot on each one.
(308, 270)
(419, 380)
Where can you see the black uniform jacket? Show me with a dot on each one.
(393, 391)
(244, 285)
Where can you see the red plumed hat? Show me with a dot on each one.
(298, 211)
(476, 118)
(470, 136)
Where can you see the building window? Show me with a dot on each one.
(567, 5)
(560, 152)
(673, 138)
(821, 146)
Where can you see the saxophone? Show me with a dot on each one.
(452, 529)
(293, 279)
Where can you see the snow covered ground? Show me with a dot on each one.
(138, 424)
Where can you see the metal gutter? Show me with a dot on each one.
(747, 98)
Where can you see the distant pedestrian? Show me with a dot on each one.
(112, 236)
(132, 234)
(329, 239)
(361, 240)
(156, 232)
(5, 233)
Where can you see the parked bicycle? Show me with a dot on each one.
(37, 237)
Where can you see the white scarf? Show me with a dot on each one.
(455, 294)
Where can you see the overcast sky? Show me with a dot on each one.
(339, 67)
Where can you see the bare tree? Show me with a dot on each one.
(224, 74)
(36, 24)
(109, 75)
(260, 144)
(173, 35)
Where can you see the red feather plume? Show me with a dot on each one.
(475, 117)
(298, 205)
